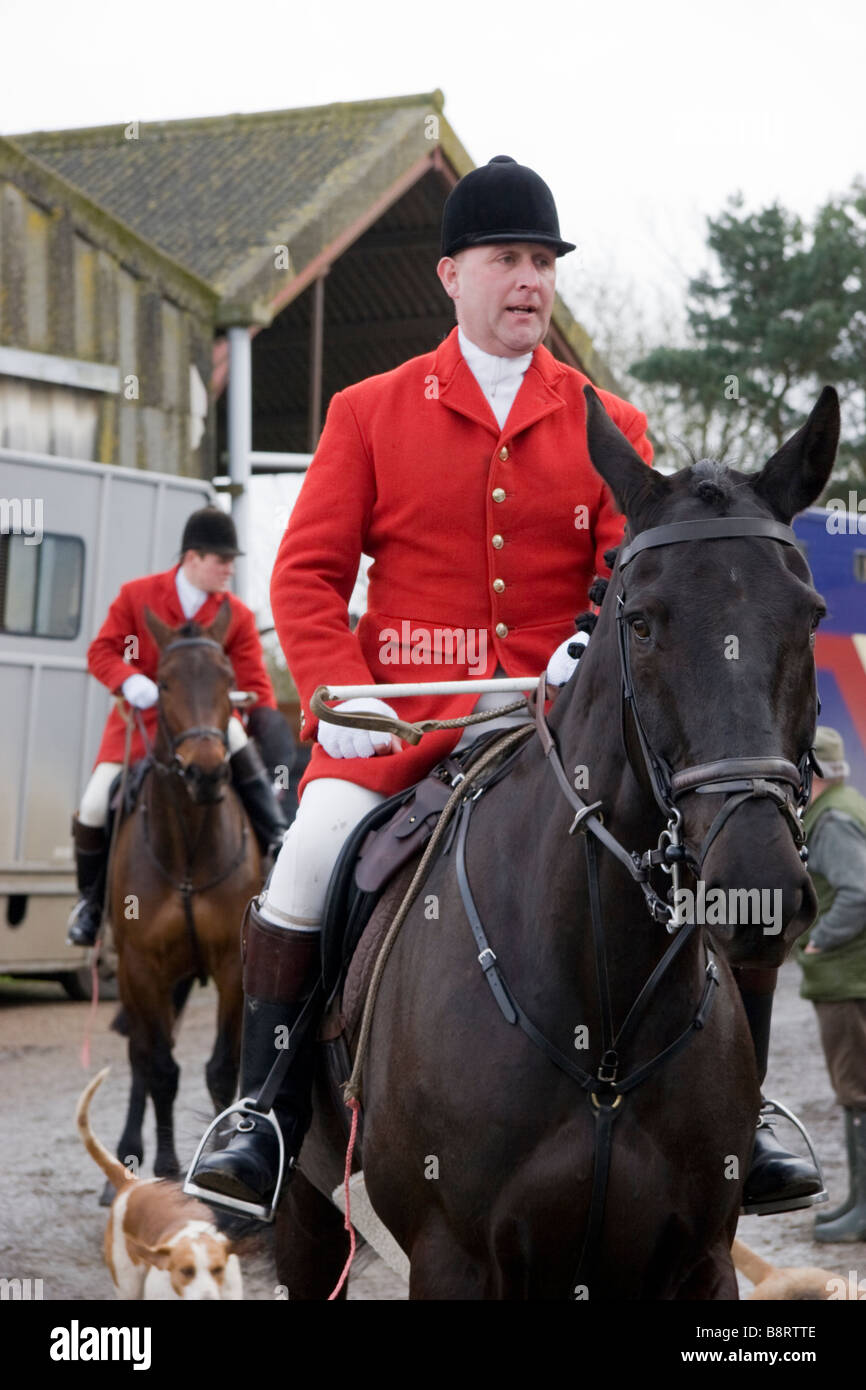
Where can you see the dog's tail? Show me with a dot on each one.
(748, 1263)
(112, 1168)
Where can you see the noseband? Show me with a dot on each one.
(738, 779)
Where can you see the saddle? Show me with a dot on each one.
(385, 839)
(373, 871)
(135, 776)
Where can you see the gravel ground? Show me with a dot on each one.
(51, 1226)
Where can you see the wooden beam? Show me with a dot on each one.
(317, 334)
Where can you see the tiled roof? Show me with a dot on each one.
(218, 193)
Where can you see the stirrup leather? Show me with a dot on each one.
(775, 1107)
(258, 1210)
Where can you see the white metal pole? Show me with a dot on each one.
(240, 441)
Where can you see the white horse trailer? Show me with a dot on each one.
(70, 534)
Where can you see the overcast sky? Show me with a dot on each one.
(642, 117)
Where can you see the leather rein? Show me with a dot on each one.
(738, 779)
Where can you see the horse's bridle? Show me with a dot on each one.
(199, 730)
(738, 779)
(185, 885)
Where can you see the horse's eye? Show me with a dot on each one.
(818, 614)
(162, 685)
(640, 628)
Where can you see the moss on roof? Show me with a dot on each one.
(58, 194)
(219, 193)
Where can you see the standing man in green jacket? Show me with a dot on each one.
(833, 961)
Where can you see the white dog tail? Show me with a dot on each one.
(112, 1168)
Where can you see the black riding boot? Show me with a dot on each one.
(281, 969)
(775, 1175)
(91, 859)
(254, 788)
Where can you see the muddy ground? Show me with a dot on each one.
(51, 1226)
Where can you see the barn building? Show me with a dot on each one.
(300, 243)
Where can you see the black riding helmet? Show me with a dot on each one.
(502, 201)
(211, 532)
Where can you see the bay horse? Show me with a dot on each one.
(185, 864)
(687, 725)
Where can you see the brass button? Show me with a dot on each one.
(497, 542)
(503, 452)
(501, 630)
(499, 585)
(499, 494)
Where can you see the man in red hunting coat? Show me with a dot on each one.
(465, 474)
(124, 657)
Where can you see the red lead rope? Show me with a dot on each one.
(356, 1110)
(94, 1002)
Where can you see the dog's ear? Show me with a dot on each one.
(156, 1255)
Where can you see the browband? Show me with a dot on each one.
(709, 529)
(195, 642)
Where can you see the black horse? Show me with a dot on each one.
(481, 1154)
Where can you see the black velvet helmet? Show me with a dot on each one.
(212, 532)
(502, 201)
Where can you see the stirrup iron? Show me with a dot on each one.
(775, 1107)
(259, 1211)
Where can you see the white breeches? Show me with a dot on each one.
(329, 810)
(93, 808)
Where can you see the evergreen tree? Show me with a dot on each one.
(782, 313)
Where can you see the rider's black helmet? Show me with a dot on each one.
(211, 532)
(502, 201)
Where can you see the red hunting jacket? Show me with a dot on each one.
(497, 533)
(126, 618)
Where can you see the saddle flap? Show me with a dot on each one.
(430, 797)
(135, 776)
(387, 849)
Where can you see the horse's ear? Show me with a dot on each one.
(632, 483)
(797, 475)
(160, 631)
(220, 625)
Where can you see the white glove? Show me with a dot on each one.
(140, 691)
(341, 741)
(561, 666)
